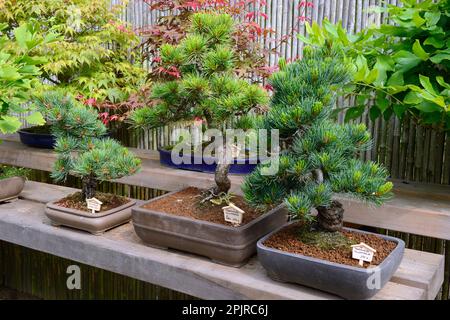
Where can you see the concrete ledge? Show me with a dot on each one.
(23, 222)
(422, 209)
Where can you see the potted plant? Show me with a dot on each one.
(197, 82)
(319, 160)
(193, 220)
(91, 59)
(12, 182)
(82, 154)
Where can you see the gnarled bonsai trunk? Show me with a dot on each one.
(88, 188)
(223, 183)
(331, 218)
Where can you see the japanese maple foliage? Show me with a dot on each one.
(247, 37)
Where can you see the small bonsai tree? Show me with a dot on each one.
(319, 155)
(82, 152)
(203, 84)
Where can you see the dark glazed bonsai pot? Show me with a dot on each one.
(82, 220)
(206, 164)
(10, 188)
(345, 281)
(39, 139)
(223, 244)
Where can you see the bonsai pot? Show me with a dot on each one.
(40, 137)
(83, 220)
(37, 137)
(10, 188)
(206, 164)
(343, 280)
(223, 244)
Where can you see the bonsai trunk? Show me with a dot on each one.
(88, 189)
(330, 218)
(223, 183)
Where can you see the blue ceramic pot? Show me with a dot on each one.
(37, 140)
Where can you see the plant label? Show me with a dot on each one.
(94, 204)
(362, 252)
(235, 150)
(233, 214)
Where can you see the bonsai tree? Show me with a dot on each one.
(92, 57)
(18, 73)
(203, 84)
(319, 155)
(82, 152)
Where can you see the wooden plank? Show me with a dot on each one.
(397, 291)
(421, 270)
(152, 175)
(422, 209)
(23, 222)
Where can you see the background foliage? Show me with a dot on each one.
(402, 64)
(93, 58)
(18, 73)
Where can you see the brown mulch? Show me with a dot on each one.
(186, 203)
(76, 201)
(288, 240)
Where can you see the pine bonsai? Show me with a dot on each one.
(202, 84)
(82, 149)
(319, 155)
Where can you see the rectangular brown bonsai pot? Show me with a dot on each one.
(87, 221)
(223, 244)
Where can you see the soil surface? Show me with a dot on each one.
(76, 201)
(187, 203)
(287, 239)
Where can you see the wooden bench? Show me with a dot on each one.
(23, 222)
(416, 208)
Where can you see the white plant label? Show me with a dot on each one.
(362, 252)
(94, 204)
(233, 214)
(235, 150)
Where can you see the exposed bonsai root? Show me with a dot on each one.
(331, 218)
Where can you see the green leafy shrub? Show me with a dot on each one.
(403, 64)
(18, 73)
(9, 172)
(319, 158)
(80, 150)
(92, 58)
